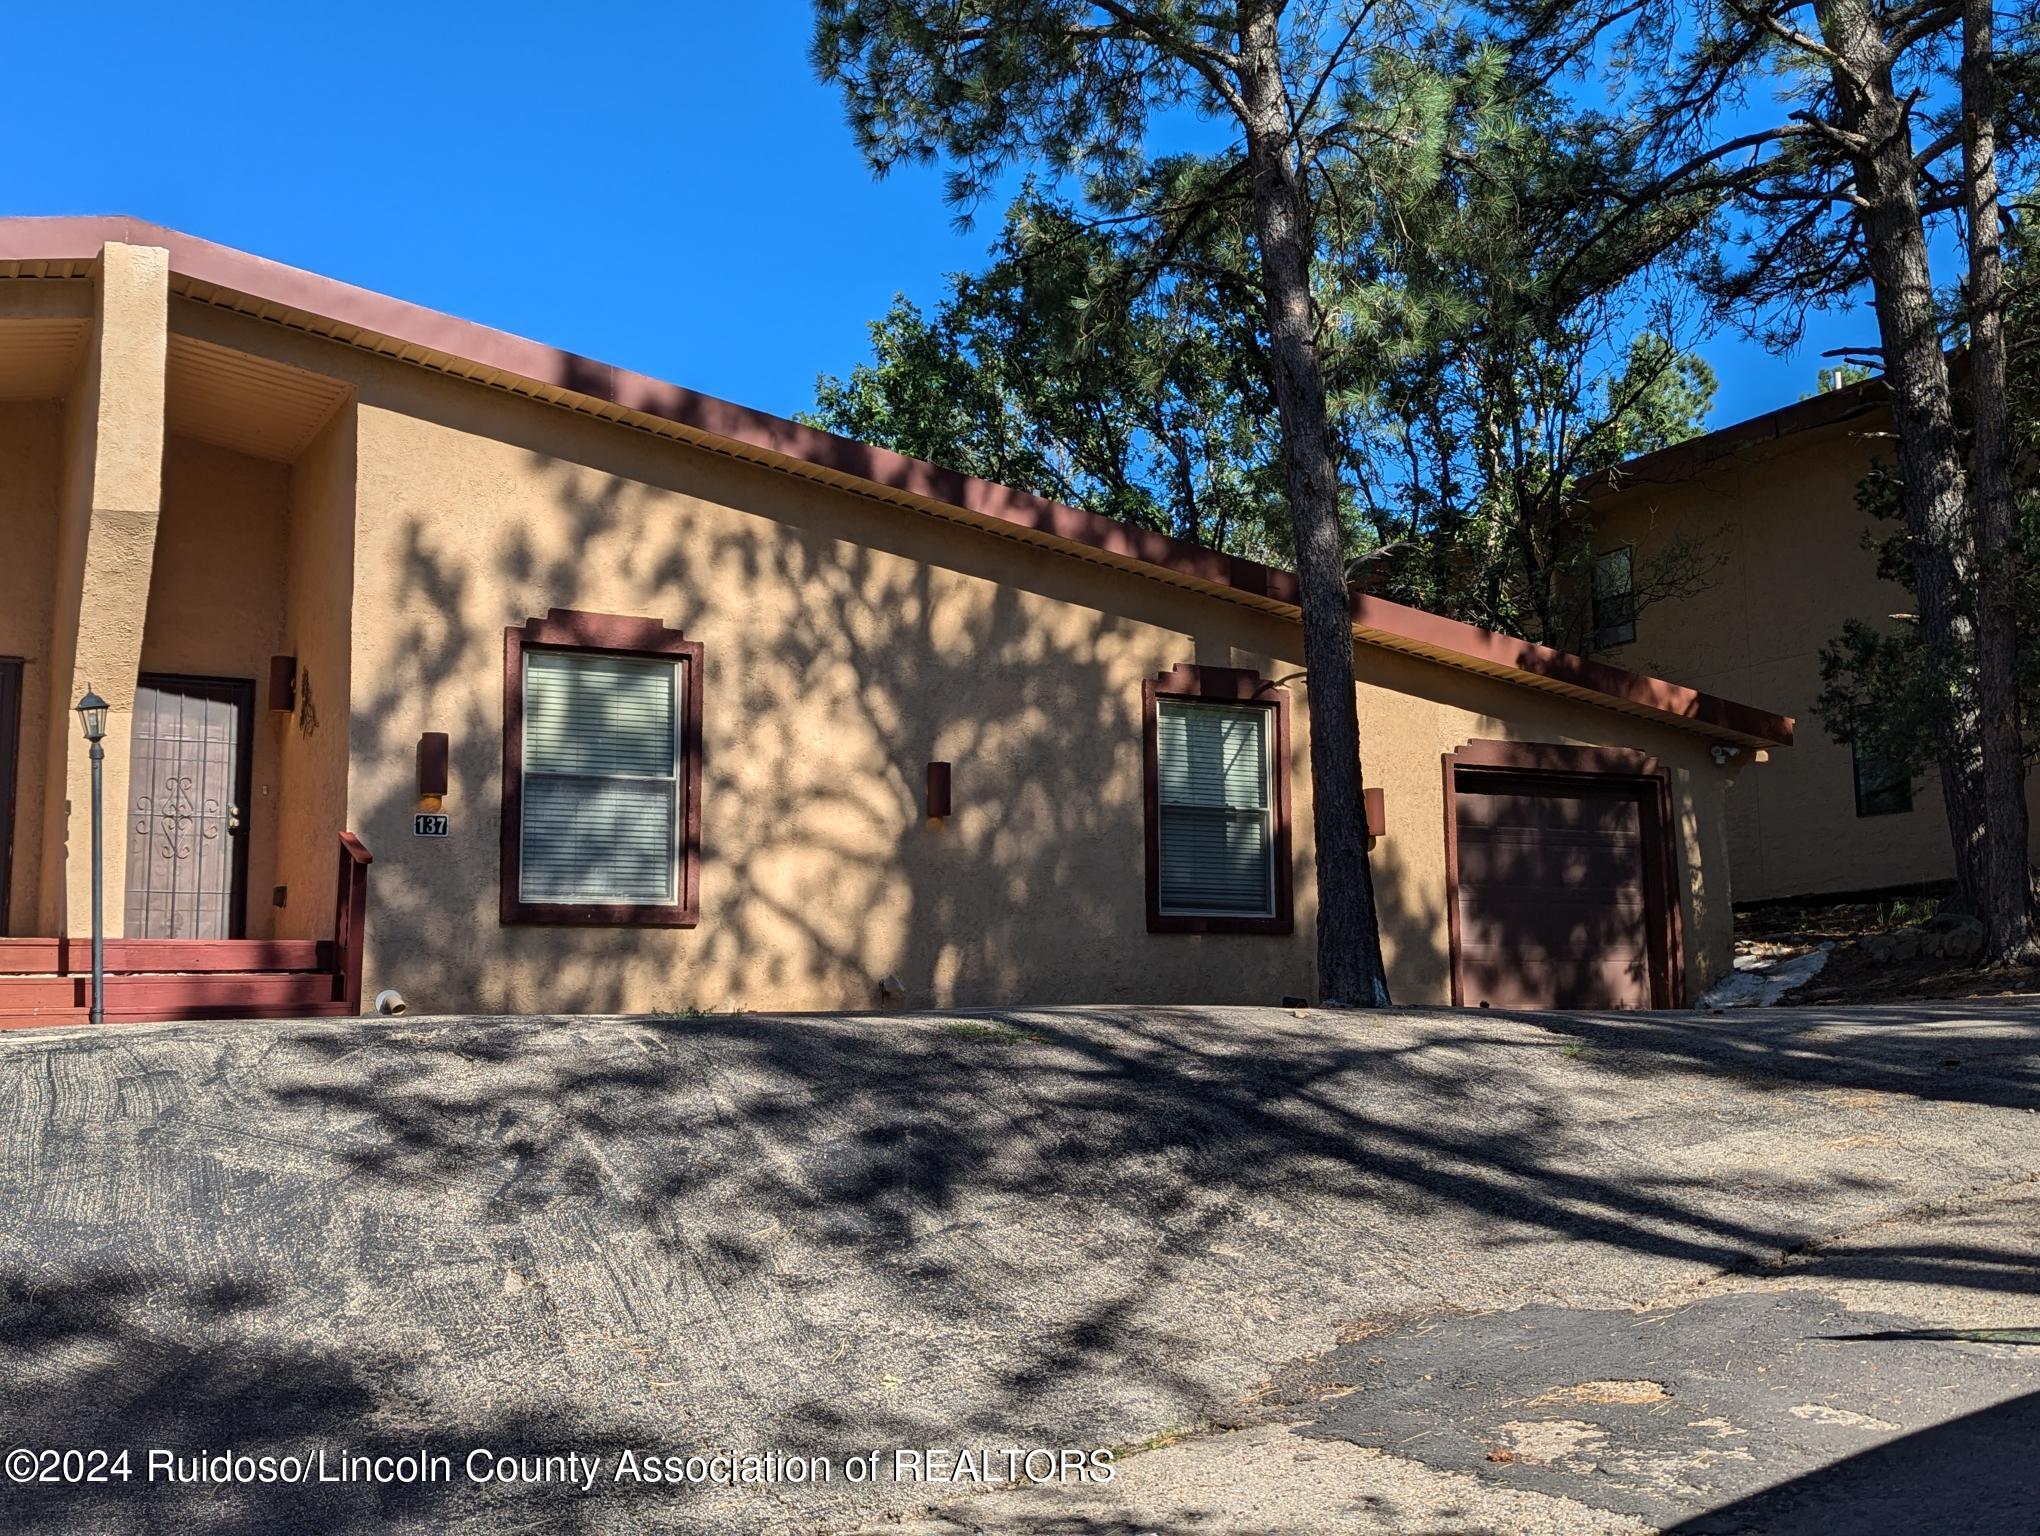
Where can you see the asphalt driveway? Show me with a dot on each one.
(1052, 1230)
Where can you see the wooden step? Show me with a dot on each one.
(279, 992)
(206, 994)
(33, 994)
(52, 1019)
(319, 1010)
(71, 957)
(58, 1018)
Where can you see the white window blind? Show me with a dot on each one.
(601, 802)
(1215, 811)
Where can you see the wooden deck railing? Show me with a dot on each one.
(350, 920)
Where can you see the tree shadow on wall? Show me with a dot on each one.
(847, 647)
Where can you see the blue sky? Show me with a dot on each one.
(665, 186)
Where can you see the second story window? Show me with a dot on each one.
(1614, 597)
(1882, 788)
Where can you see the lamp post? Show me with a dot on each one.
(92, 719)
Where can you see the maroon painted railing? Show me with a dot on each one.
(350, 921)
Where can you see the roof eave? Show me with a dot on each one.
(269, 290)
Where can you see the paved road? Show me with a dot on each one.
(1708, 1415)
(1066, 1229)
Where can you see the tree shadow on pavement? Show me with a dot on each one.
(1969, 1475)
(985, 1173)
(833, 1233)
(123, 1361)
(1960, 1052)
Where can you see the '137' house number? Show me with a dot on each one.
(429, 826)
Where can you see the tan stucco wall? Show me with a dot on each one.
(1789, 536)
(112, 495)
(216, 601)
(318, 625)
(848, 642)
(31, 455)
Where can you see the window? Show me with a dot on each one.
(1882, 789)
(1614, 597)
(1218, 803)
(601, 767)
(1216, 819)
(601, 779)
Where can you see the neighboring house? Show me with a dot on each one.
(645, 701)
(1775, 498)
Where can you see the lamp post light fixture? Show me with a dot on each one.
(92, 720)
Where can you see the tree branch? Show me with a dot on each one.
(1210, 62)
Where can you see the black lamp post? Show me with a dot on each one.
(92, 718)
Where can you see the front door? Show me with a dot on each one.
(187, 857)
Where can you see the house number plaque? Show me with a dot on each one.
(424, 825)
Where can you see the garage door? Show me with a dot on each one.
(1554, 902)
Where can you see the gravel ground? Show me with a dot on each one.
(1253, 1482)
(832, 1235)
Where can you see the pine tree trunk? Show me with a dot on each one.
(1933, 486)
(1350, 971)
(2006, 899)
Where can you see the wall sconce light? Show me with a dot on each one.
(283, 684)
(432, 774)
(938, 791)
(1377, 814)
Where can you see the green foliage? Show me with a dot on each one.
(1064, 370)
(1888, 691)
(1490, 352)
(1491, 297)
(1481, 363)
(1883, 687)
(987, 83)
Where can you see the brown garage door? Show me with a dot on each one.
(1554, 902)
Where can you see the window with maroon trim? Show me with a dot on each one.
(601, 772)
(1216, 794)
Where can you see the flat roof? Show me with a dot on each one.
(305, 301)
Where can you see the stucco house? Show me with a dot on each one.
(1774, 501)
(643, 701)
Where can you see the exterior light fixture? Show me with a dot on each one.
(92, 716)
(92, 720)
(432, 770)
(283, 684)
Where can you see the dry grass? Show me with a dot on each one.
(1603, 1392)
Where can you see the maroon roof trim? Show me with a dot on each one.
(1379, 621)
